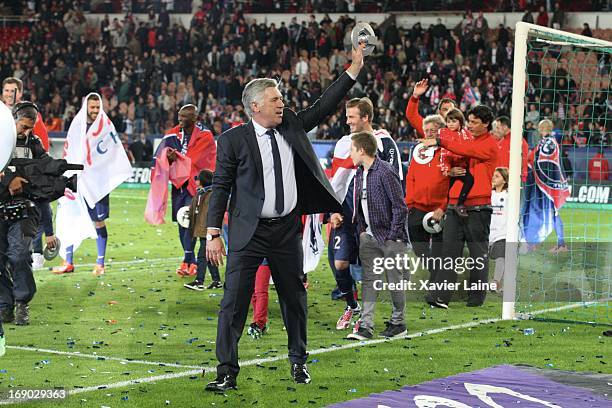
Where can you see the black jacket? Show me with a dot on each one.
(5, 180)
(239, 169)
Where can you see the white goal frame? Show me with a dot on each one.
(517, 118)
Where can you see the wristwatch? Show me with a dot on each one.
(210, 237)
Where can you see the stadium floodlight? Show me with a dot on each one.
(562, 74)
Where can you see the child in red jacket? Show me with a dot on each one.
(455, 121)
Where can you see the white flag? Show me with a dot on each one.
(100, 151)
(73, 224)
(312, 242)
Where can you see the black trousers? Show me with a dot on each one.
(468, 181)
(424, 244)
(281, 243)
(16, 279)
(473, 230)
(203, 264)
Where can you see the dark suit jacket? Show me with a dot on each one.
(239, 170)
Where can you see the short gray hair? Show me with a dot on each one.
(435, 119)
(253, 92)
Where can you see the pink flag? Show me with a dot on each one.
(177, 173)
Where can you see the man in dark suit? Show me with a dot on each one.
(270, 174)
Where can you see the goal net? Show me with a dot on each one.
(559, 253)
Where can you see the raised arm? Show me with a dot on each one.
(330, 99)
(476, 149)
(412, 110)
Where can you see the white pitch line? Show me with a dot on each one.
(125, 383)
(317, 351)
(248, 363)
(313, 352)
(99, 357)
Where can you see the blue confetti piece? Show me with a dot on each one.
(352, 390)
(3, 371)
(315, 361)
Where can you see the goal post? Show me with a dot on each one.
(532, 40)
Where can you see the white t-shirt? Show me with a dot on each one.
(499, 220)
(364, 203)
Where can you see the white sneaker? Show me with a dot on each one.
(38, 261)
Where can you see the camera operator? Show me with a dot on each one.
(10, 184)
(17, 286)
(12, 93)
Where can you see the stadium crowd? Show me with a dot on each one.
(147, 68)
(320, 6)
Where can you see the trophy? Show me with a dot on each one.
(364, 34)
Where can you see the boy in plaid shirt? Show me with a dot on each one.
(380, 212)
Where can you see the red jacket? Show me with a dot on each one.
(449, 159)
(482, 152)
(598, 168)
(503, 155)
(41, 131)
(413, 115)
(426, 185)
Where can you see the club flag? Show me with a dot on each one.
(545, 192)
(100, 150)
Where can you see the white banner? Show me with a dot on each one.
(73, 224)
(100, 150)
(312, 242)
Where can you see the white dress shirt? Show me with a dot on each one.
(288, 168)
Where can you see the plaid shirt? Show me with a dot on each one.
(386, 207)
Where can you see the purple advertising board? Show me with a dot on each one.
(495, 387)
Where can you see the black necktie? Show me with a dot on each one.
(279, 205)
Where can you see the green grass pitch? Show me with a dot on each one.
(139, 313)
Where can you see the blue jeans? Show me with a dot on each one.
(16, 279)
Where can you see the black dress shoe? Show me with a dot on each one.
(22, 314)
(300, 374)
(222, 384)
(7, 315)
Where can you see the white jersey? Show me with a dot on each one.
(343, 169)
(499, 220)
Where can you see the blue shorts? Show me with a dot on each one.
(344, 243)
(180, 198)
(101, 210)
